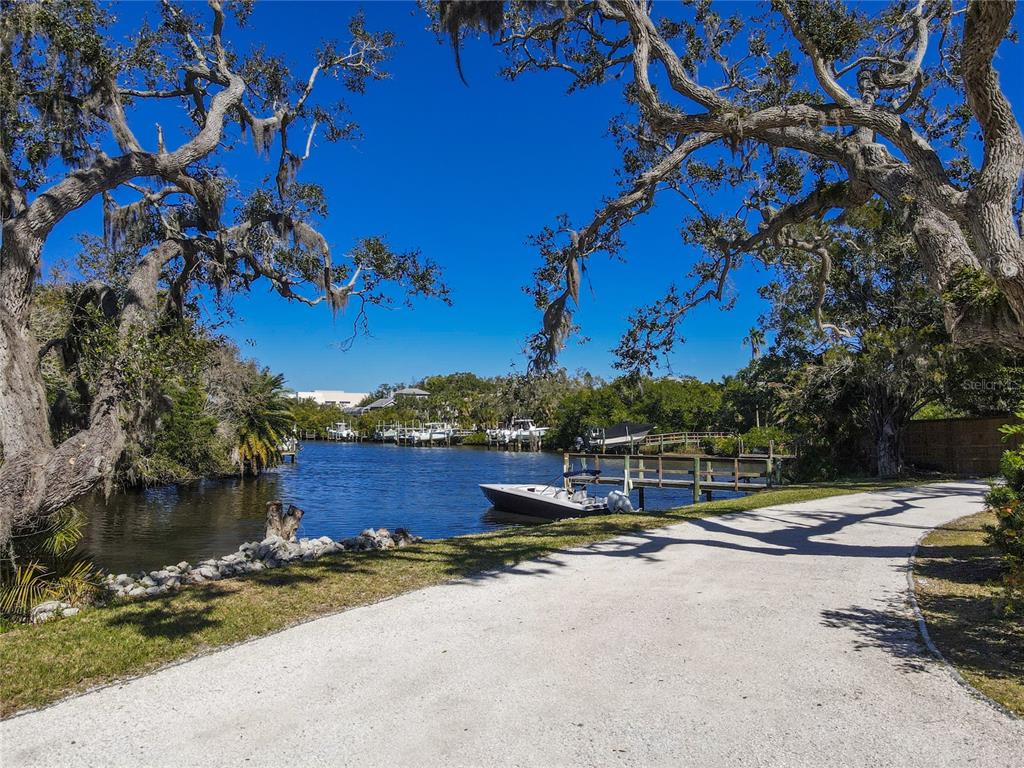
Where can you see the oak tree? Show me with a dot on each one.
(792, 111)
(77, 105)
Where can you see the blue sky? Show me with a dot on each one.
(466, 174)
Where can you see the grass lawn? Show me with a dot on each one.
(957, 580)
(45, 662)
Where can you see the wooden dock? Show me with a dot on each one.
(289, 449)
(701, 473)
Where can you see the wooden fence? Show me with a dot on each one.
(969, 447)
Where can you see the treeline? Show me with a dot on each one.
(567, 403)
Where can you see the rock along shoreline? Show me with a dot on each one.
(251, 557)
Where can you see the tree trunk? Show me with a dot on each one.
(889, 448)
(36, 477)
(24, 425)
(283, 523)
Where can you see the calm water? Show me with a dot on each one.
(343, 488)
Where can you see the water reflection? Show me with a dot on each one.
(343, 488)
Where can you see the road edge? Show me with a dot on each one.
(922, 629)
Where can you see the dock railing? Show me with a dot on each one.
(700, 472)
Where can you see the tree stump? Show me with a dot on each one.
(283, 523)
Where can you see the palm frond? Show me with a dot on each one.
(26, 588)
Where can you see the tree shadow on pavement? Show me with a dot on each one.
(891, 630)
(799, 537)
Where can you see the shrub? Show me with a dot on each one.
(763, 437)
(722, 446)
(46, 565)
(1007, 501)
(475, 438)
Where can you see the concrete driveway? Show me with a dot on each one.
(779, 637)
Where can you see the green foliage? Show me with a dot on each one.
(46, 566)
(671, 405)
(189, 397)
(1007, 501)
(765, 437)
(721, 446)
(187, 444)
(263, 421)
(476, 438)
(833, 28)
(310, 416)
(972, 290)
(851, 393)
(463, 397)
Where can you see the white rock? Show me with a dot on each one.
(208, 572)
(48, 610)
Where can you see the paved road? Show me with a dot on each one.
(779, 637)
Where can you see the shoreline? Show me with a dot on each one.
(99, 646)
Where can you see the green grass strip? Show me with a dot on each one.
(957, 580)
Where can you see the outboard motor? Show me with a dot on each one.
(618, 501)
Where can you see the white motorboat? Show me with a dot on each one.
(545, 501)
(553, 502)
(433, 432)
(517, 430)
(386, 434)
(340, 431)
(525, 428)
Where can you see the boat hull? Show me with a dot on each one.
(518, 500)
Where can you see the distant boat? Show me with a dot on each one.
(386, 433)
(340, 431)
(433, 431)
(622, 435)
(517, 430)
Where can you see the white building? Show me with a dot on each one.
(333, 397)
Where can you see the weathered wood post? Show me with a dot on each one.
(565, 471)
(696, 479)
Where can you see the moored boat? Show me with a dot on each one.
(554, 502)
(545, 501)
(625, 434)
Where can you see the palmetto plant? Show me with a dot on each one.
(263, 421)
(46, 566)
